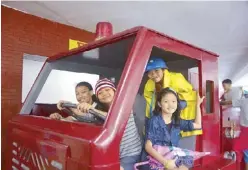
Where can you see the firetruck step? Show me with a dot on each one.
(219, 164)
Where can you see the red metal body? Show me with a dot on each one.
(228, 143)
(85, 146)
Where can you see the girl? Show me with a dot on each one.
(130, 147)
(84, 94)
(165, 126)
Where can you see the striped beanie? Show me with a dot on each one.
(102, 84)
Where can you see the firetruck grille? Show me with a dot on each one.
(25, 159)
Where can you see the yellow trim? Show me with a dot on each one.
(191, 133)
(75, 44)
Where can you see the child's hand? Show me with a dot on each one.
(55, 116)
(199, 99)
(84, 107)
(60, 103)
(170, 164)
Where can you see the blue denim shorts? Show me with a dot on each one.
(128, 162)
(246, 155)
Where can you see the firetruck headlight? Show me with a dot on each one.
(230, 155)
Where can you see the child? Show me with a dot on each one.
(160, 77)
(165, 126)
(130, 147)
(227, 86)
(84, 94)
(230, 92)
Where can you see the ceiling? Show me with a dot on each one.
(221, 27)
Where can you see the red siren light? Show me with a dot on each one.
(103, 29)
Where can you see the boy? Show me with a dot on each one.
(227, 86)
(230, 92)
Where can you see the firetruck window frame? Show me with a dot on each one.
(209, 97)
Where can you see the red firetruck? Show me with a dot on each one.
(37, 142)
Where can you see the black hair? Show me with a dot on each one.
(158, 110)
(227, 81)
(86, 84)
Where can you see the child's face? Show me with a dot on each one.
(226, 86)
(106, 95)
(156, 75)
(83, 94)
(169, 103)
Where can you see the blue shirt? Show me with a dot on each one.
(161, 134)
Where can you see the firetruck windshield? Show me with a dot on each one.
(58, 78)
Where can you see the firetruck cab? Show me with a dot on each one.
(37, 142)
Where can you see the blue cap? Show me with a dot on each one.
(156, 63)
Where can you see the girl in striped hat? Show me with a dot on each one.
(104, 91)
(130, 146)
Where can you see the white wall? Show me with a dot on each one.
(31, 69)
(242, 81)
(60, 85)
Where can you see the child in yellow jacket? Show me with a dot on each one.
(159, 78)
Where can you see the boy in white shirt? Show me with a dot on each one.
(230, 93)
(227, 86)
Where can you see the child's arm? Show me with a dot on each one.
(222, 98)
(152, 136)
(149, 149)
(226, 102)
(85, 107)
(169, 164)
(197, 124)
(100, 112)
(234, 103)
